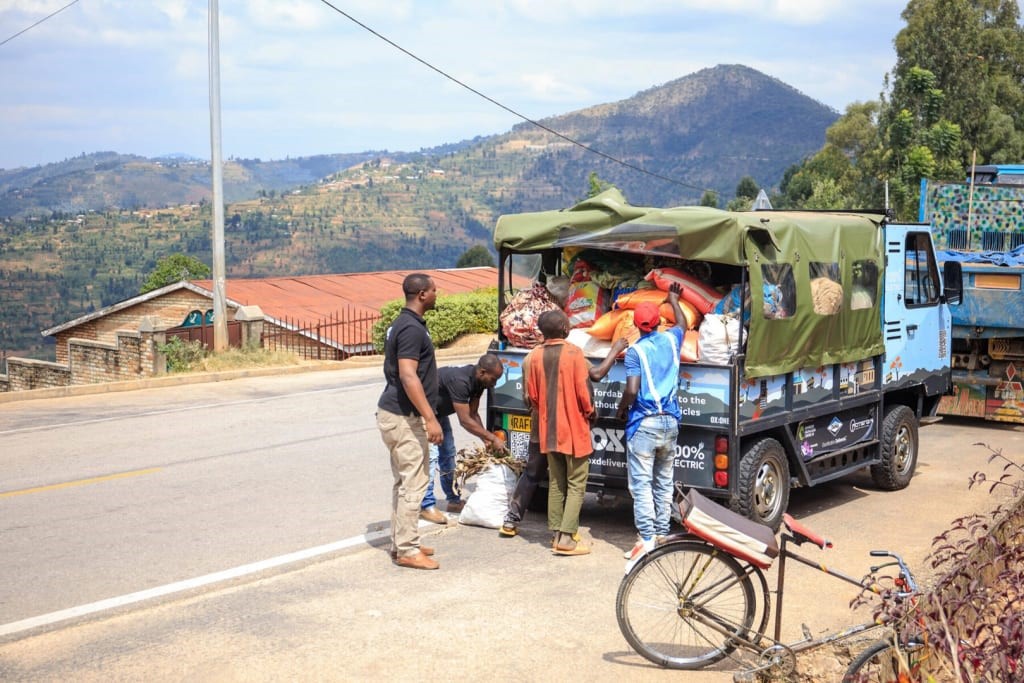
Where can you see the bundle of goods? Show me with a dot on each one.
(696, 299)
(587, 299)
(519, 319)
(827, 295)
(701, 296)
(487, 477)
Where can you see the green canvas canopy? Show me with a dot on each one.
(846, 247)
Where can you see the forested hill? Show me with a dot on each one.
(373, 211)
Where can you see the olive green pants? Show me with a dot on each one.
(568, 483)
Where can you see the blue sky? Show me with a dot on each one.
(300, 79)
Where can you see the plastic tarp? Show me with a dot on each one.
(1014, 257)
(750, 238)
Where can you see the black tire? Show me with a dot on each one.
(879, 663)
(665, 602)
(762, 486)
(899, 449)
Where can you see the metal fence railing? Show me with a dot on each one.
(336, 337)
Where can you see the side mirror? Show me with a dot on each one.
(953, 282)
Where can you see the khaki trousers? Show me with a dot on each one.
(406, 440)
(567, 486)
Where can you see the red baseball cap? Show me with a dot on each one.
(646, 316)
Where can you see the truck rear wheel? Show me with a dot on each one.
(762, 491)
(899, 449)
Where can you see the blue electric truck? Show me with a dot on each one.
(809, 392)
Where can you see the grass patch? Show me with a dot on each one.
(238, 359)
(192, 357)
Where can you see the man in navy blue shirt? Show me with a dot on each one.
(406, 418)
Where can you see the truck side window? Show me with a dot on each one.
(922, 275)
(779, 294)
(864, 288)
(826, 287)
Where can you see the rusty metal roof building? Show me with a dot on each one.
(313, 297)
(301, 303)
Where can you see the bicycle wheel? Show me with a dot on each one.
(881, 662)
(683, 605)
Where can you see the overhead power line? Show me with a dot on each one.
(49, 16)
(495, 102)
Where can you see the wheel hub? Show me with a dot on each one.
(766, 490)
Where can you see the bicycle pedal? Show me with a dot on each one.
(806, 632)
(743, 677)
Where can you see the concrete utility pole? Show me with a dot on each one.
(220, 314)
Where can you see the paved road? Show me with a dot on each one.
(109, 495)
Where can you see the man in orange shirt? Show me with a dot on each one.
(559, 392)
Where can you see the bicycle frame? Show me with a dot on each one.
(757, 641)
(784, 553)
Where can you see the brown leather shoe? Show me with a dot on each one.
(454, 506)
(433, 515)
(417, 561)
(426, 550)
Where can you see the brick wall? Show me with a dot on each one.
(167, 311)
(25, 373)
(133, 356)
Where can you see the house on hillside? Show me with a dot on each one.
(327, 317)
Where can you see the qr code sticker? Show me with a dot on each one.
(519, 444)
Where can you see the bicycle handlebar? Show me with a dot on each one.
(904, 571)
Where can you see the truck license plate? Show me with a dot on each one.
(519, 423)
(519, 436)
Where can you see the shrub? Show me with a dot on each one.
(453, 315)
(182, 356)
(971, 616)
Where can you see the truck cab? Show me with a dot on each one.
(831, 368)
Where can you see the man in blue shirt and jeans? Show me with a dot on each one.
(650, 406)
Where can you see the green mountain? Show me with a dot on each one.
(84, 233)
(108, 180)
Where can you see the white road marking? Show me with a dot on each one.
(190, 584)
(185, 409)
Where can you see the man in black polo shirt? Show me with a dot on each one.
(406, 419)
(460, 392)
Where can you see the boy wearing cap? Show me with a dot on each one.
(650, 406)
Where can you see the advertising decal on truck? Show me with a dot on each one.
(816, 341)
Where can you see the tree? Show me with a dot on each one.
(974, 50)
(709, 198)
(174, 268)
(746, 193)
(477, 255)
(595, 185)
(747, 188)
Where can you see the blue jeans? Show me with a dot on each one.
(442, 457)
(650, 456)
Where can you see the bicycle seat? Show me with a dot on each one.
(724, 529)
(802, 534)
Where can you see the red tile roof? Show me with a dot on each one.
(307, 299)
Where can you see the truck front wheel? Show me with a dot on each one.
(899, 449)
(762, 490)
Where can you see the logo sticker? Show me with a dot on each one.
(835, 425)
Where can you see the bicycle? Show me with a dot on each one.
(693, 600)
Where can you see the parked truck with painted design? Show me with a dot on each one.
(980, 223)
(808, 394)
